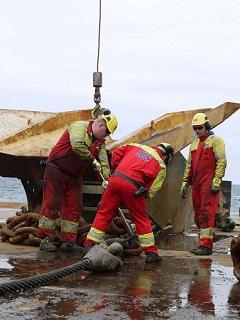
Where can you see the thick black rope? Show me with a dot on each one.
(43, 279)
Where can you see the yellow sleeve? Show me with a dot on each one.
(187, 177)
(103, 158)
(79, 139)
(157, 183)
(220, 155)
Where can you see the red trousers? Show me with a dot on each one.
(121, 191)
(62, 197)
(205, 206)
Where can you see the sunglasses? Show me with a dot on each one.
(195, 128)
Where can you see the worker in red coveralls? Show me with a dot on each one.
(139, 169)
(82, 144)
(204, 171)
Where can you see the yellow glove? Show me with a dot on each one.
(216, 185)
(97, 166)
(184, 189)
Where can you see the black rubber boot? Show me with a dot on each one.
(46, 244)
(201, 251)
(152, 257)
(88, 248)
(70, 246)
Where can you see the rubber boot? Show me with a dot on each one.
(70, 247)
(235, 255)
(152, 257)
(88, 247)
(47, 244)
(201, 251)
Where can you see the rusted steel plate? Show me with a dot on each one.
(38, 139)
(13, 121)
(175, 127)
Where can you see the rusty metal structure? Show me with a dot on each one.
(26, 138)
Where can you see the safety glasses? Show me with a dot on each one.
(195, 128)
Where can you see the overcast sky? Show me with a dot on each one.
(156, 57)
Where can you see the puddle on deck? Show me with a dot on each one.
(175, 289)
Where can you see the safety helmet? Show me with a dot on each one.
(168, 150)
(111, 122)
(199, 119)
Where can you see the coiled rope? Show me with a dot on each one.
(43, 279)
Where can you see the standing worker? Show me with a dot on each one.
(204, 170)
(82, 144)
(139, 170)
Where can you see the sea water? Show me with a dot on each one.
(11, 190)
(235, 200)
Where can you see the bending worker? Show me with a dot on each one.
(204, 170)
(139, 170)
(82, 144)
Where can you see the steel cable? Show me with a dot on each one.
(99, 31)
(43, 279)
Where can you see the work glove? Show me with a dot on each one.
(97, 166)
(184, 189)
(216, 185)
(104, 184)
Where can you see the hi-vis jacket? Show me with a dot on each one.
(77, 147)
(209, 162)
(141, 163)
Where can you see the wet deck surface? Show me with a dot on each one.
(182, 286)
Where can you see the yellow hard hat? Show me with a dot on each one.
(199, 119)
(111, 122)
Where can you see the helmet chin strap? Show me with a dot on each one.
(166, 152)
(163, 150)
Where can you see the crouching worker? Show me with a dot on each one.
(81, 145)
(139, 171)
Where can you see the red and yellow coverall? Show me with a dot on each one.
(206, 163)
(144, 165)
(62, 194)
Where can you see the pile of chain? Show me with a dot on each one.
(21, 229)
